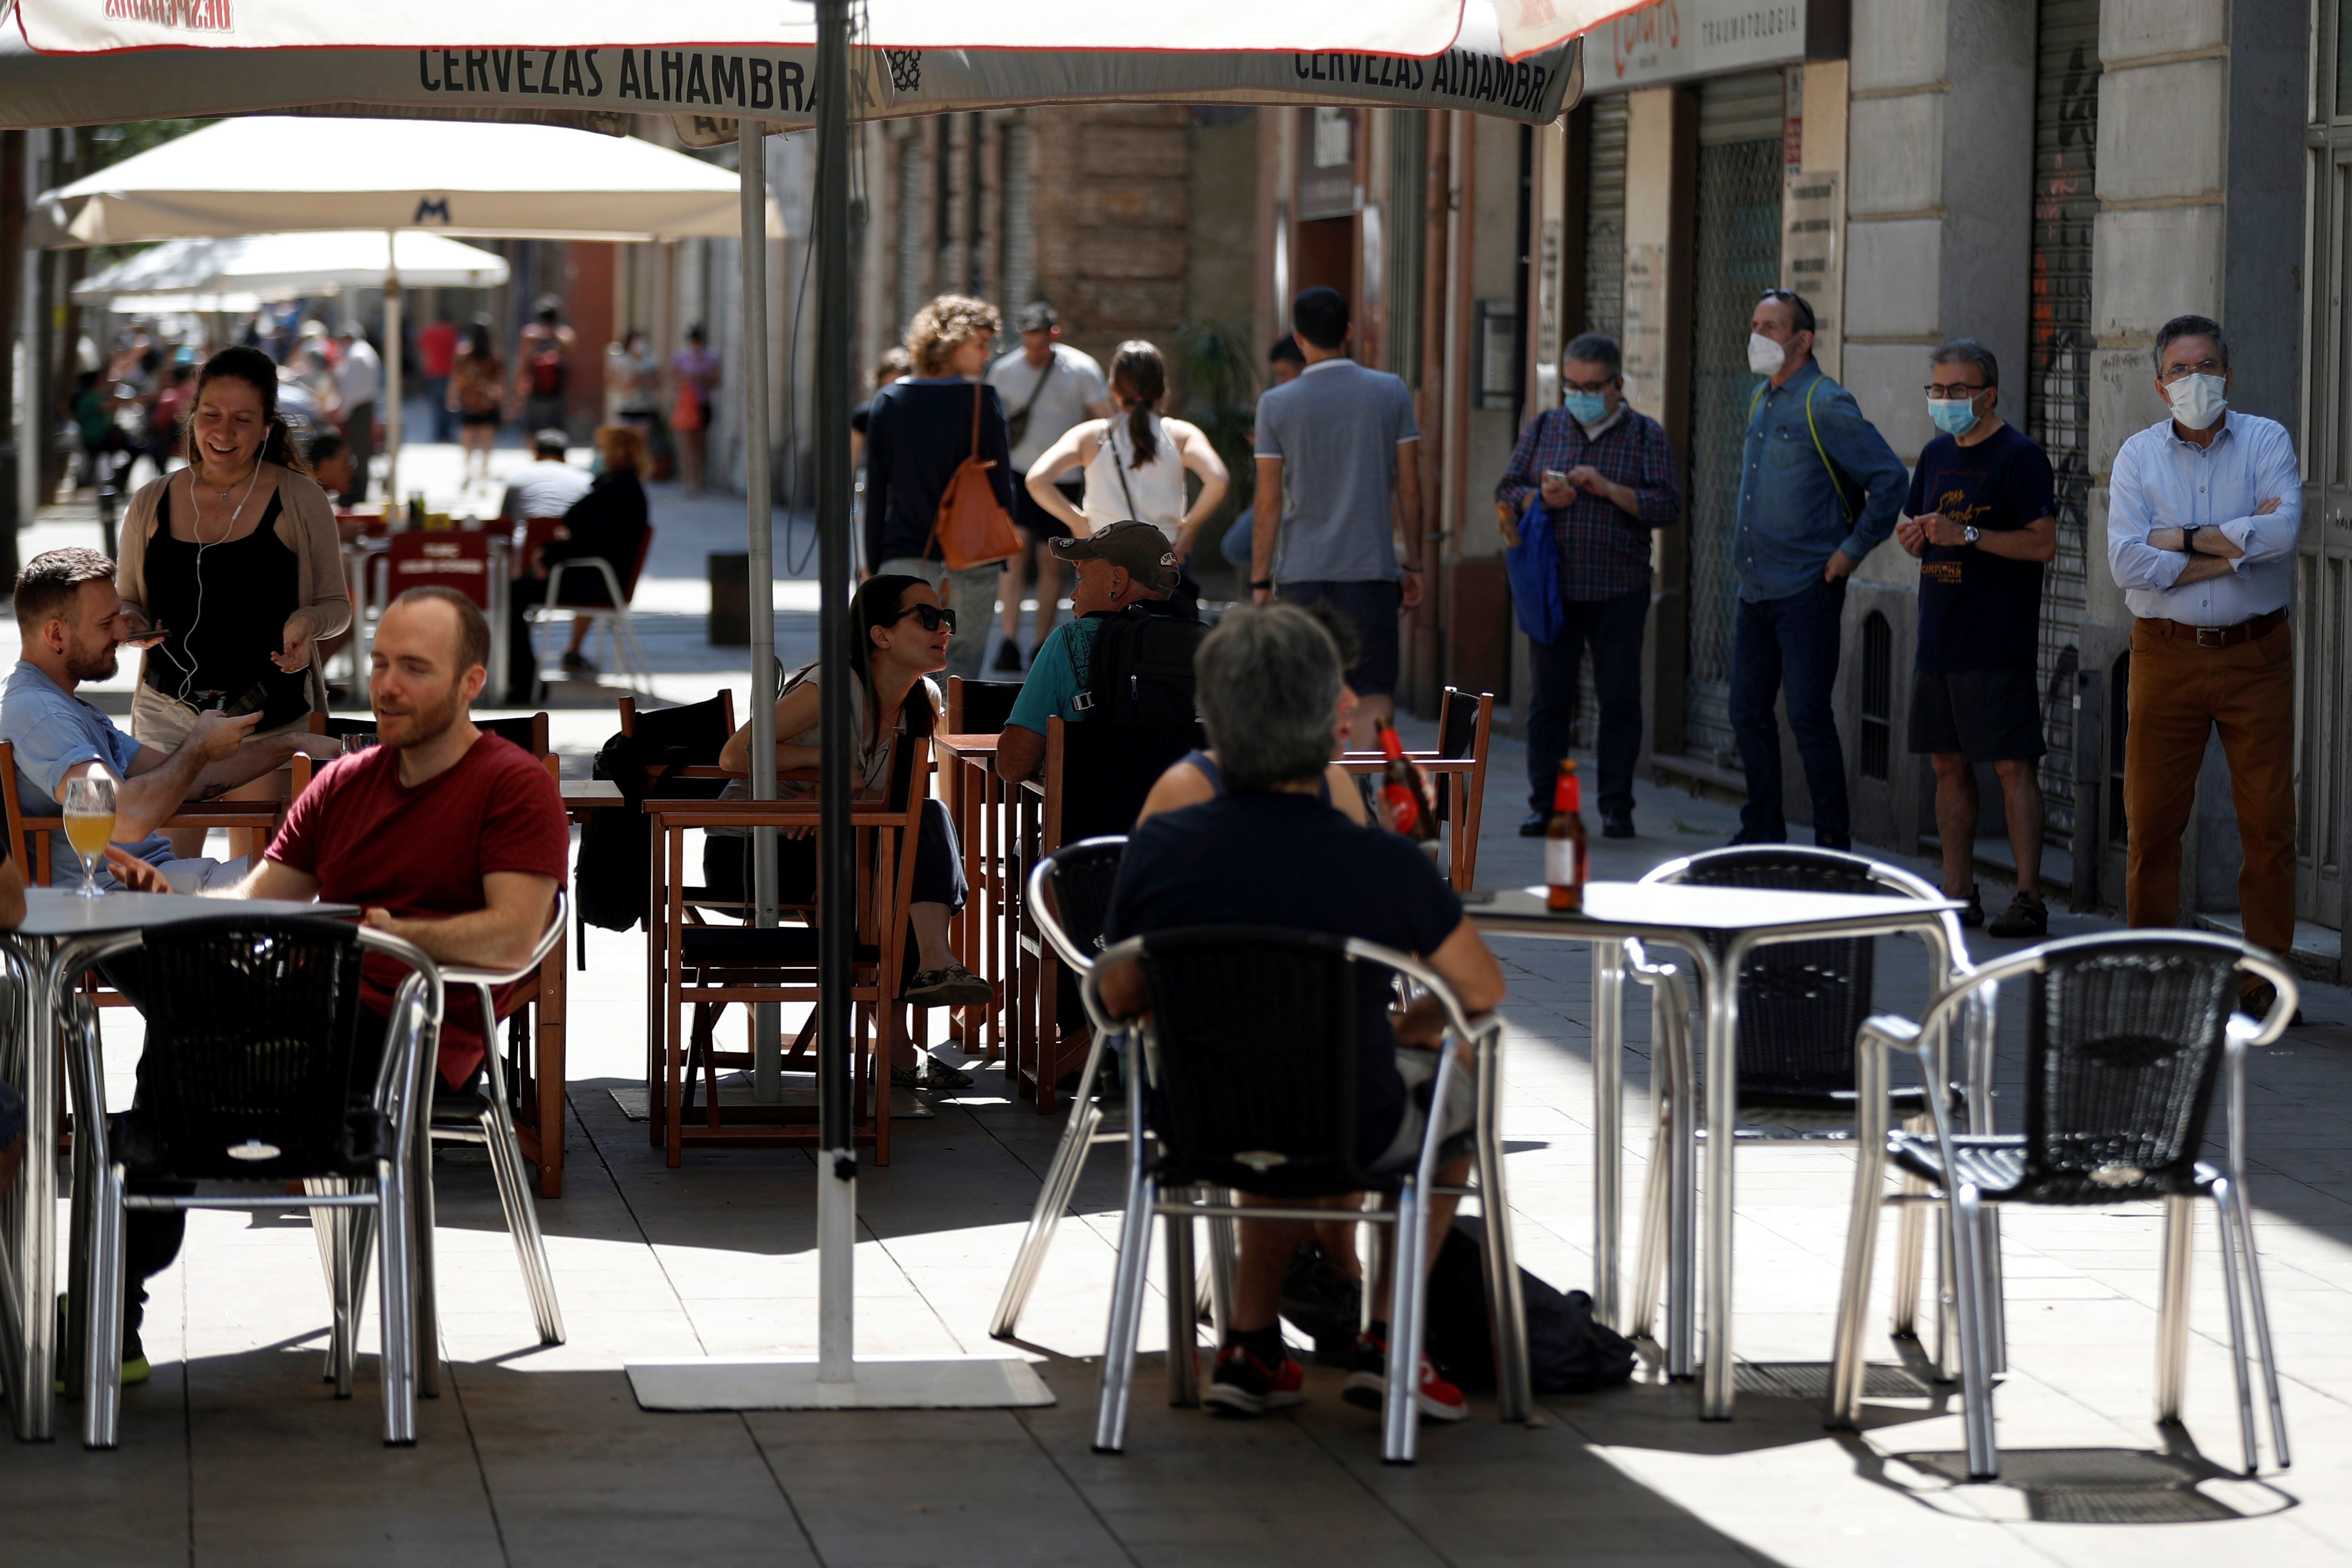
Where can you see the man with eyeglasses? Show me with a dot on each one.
(1819, 489)
(1600, 475)
(2202, 512)
(1982, 521)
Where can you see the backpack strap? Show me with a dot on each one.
(1836, 484)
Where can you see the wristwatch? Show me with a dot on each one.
(1264, 582)
(1970, 533)
(2188, 539)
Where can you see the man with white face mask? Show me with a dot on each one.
(2202, 513)
(1819, 489)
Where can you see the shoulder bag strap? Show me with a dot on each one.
(1829, 467)
(977, 397)
(1038, 391)
(1110, 444)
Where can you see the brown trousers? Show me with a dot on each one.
(2179, 694)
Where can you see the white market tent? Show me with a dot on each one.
(766, 68)
(421, 179)
(292, 265)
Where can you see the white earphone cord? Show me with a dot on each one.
(196, 527)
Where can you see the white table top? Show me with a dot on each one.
(61, 912)
(1632, 907)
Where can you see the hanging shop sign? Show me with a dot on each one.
(1677, 40)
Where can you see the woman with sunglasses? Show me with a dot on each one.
(900, 634)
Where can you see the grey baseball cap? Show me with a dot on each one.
(1037, 317)
(1140, 547)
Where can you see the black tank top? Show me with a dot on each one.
(226, 615)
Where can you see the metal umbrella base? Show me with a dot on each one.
(881, 1382)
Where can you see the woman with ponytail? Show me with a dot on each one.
(1135, 462)
(231, 568)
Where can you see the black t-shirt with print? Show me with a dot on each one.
(1977, 610)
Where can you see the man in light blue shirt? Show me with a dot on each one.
(2202, 512)
(1819, 489)
(72, 621)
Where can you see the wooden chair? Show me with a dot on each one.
(1094, 781)
(246, 820)
(1464, 725)
(528, 731)
(690, 960)
(980, 707)
(976, 799)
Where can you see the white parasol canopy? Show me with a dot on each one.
(269, 173)
(287, 265)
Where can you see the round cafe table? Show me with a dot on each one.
(1718, 928)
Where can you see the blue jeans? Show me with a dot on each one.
(1789, 645)
(1613, 628)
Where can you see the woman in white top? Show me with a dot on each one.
(1135, 461)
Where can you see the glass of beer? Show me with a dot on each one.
(90, 824)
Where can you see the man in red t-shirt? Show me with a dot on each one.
(436, 350)
(447, 837)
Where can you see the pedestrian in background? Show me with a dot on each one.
(543, 366)
(608, 523)
(1983, 521)
(436, 354)
(359, 384)
(478, 397)
(694, 377)
(2202, 513)
(1338, 473)
(919, 431)
(1135, 462)
(1819, 489)
(1600, 476)
(1049, 387)
(1283, 363)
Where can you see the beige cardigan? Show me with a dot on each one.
(306, 524)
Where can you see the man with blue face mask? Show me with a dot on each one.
(2202, 512)
(1982, 521)
(1600, 475)
(1819, 489)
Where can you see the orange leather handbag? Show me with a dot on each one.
(972, 529)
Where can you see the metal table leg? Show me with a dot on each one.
(1722, 1006)
(28, 1321)
(1608, 1131)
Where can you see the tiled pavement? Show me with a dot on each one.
(236, 1454)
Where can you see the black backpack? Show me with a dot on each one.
(613, 879)
(1568, 1351)
(1140, 672)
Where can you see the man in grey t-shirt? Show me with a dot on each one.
(1338, 445)
(1057, 386)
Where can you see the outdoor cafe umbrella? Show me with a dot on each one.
(417, 178)
(291, 266)
(745, 61)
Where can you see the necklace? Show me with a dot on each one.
(195, 507)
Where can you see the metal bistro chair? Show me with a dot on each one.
(2127, 1032)
(1800, 1007)
(622, 650)
(489, 1122)
(1248, 1060)
(251, 1069)
(1069, 894)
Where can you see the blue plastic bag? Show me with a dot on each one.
(1533, 565)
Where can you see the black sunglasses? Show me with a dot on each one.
(932, 616)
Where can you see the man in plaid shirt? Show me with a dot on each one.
(1603, 474)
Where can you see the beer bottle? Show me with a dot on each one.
(1404, 799)
(1564, 846)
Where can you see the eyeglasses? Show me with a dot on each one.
(932, 616)
(1595, 387)
(2202, 367)
(1954, 394)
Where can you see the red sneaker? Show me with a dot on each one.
(1367, 1387)
(1244, 1385)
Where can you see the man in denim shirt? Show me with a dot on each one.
(1819, 489)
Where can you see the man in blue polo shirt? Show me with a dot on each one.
(1819, 489)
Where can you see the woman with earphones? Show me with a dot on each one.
(232, 568)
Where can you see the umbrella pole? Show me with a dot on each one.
(837, 1213)
(394, 335)
(766, 1046)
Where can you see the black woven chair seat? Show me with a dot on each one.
(748, 947)
(1791, 1106)
(1998, 1164)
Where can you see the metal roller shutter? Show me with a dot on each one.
(2058, 358)
(1604, 218)
(1735, 257)
(1020, 258)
